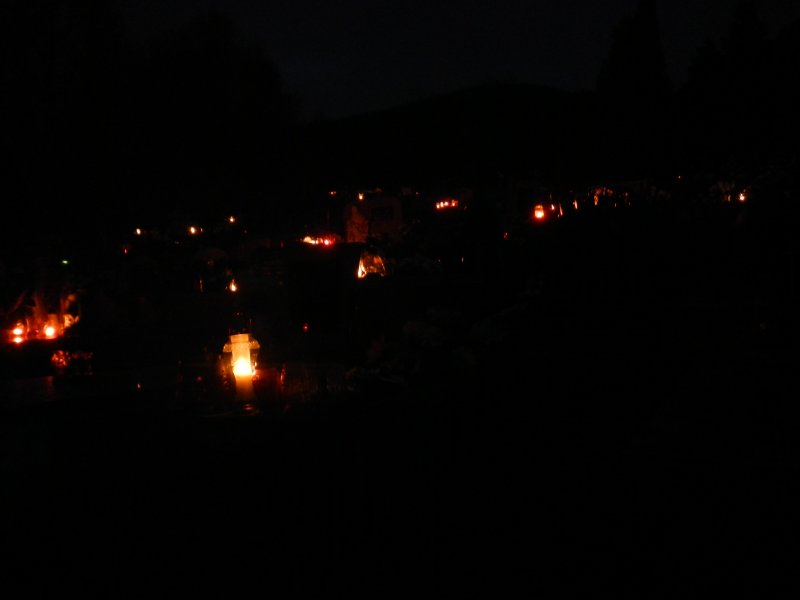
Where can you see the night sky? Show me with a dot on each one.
(349, 57)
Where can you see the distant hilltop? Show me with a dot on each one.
(469, 134)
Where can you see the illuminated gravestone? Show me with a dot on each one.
(243, 350)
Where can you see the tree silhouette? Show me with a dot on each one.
(98, 129)
(731, 105)
(634, 94)
(216, 128)
(61, 74)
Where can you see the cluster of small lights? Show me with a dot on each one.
(19, 333)
(319, 241)
(447, 203)
(600, 192)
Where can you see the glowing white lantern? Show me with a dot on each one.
(240, 346)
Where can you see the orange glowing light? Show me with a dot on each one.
(742, 197)
(18, 330)
(369, 264)
(360, 196)
(232, 286)
(575, 204)
(231, 219)
(50, 331)
(138, 231)
(17, 339)
(242, 367)
(193, 230)
(538, 212)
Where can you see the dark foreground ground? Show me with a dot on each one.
(623, 420)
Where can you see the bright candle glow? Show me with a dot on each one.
(50, 331)
(538, 212)
(233, 287)
(242, 367)
(193, 230)
(138, 231)
(17, 340)
(18, 330)
(231, 219)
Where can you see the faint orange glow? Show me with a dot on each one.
(575, 204)
(60, 359)
(742, 197)
(332, 193)
(193, 230)
(138, 231)
(305, 327)
(601, 191)
(538, 212)
(505, 235)
(231, 219)
(370, 264)
(232, 285)
(360, 196)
